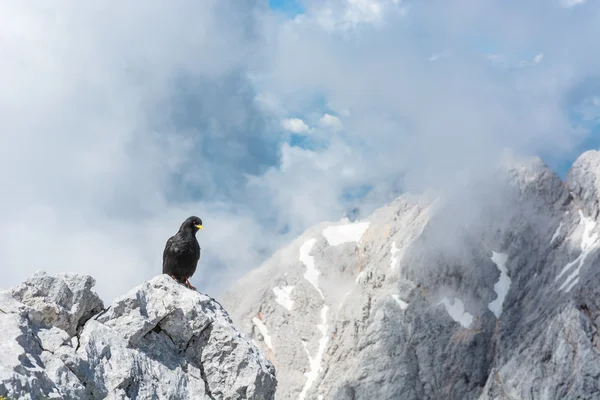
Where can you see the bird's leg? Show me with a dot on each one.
(188, 284)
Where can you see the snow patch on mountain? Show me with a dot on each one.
(502, 286)
(589, 243)
(344, 299)
(316, 361)
(394, 257)
(263, 331)
(348, 233)
(556, 233)
(457, 312)
(360, 275)
(282, 296)
(403, 305)
(575, 282)
(312, 273)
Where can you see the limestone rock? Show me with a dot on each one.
(488, 292)
(160, 340)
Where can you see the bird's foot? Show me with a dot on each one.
(188, 284)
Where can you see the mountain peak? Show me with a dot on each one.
(160, 340)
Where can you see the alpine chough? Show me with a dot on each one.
(182, 252)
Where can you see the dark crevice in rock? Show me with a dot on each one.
(187, 345)
(131, 386)
(586, 311)
(37, 341)
(204, 378)
(132, 390)
(195, 354)
(547, 356)
(25, 340)
(162, 319)
(89, 387)
(22, 340)
(595, 339)
(200, 334)
(92, 389)
(78, 341)
(73, 371)
(170, 338)
(2, 311)
(79, 332)
(99, 314)
(86, 317)
(157, 329)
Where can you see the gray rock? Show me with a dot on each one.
(65, 301)
(160, 340)
(561, 363)
(583, 181)
(489, 292)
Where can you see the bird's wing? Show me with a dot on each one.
(168, 245)
(168, 261)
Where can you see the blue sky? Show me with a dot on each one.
(291, 8)
(263, 123)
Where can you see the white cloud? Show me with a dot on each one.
(497, 58)
(332, 122)
(408, 117)
(528, 63)
(88, 146)
(571, 3)
(504, 61)
(347, 15)
(269, 104)
(589, 109)
(437, 56)
(305, 175)
(295, 125)
(363, 11)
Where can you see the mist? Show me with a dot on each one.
(118, 122)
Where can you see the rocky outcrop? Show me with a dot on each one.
(583, 180)
(491, 292)
(160, 340)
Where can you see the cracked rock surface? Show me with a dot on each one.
(160, 340)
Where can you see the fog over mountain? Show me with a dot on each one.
(119, 121)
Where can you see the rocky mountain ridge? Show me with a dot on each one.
(161, 340)
(487, 293)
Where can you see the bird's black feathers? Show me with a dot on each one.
(182, 251)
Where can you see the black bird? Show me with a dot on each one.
(182, 252)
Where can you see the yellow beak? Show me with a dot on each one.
(199, 227)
